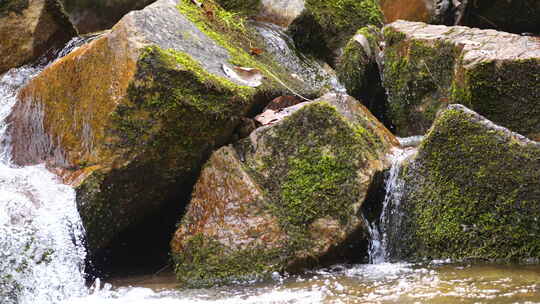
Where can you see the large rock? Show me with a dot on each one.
(287, 197)
(427, 67)
(29, 28)
(131, 116)
(324, 27)
(472, 191)
(95, 15)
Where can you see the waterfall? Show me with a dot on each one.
(41, 234)
(391, 214)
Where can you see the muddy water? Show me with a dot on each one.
(379, 283)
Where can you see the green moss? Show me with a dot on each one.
(326, 26)
(178, 112)
(506, 92)
(474, 192)
(230, 31)
(310, 170)
(418, 76)
(204, 262)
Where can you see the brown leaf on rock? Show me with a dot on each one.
(256, 51)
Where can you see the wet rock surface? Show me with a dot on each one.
(130, 117)
(427, 67)
(287, 197)
(30, 28)
(472, 191)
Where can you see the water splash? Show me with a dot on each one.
(41, 234)
(390, 218)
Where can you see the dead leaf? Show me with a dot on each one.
(250, 77)
(256, 51)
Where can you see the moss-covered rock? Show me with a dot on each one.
(28, 29)
(325, 26)
(509, 16)
(130, 117)
(285, 198)
(472, 191)
(427, 67)
(428, 11)
(358, 70)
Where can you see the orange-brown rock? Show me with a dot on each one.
(29, 28)
(138, 110)
(287, 197)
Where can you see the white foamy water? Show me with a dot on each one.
(41, 235)
(390, 214)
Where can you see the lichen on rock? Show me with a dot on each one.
(131, 116)
(290, 195)
(325, 26)
(427, 67)
(472, 191)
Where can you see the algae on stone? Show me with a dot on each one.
(325, 26)
(427, 67)
(472, 191)
(358, 71)
(131, 117)
(285, 198)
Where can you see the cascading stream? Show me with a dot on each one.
(41, 234)
(379, 230)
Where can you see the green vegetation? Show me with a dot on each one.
(473, 192)
(418, 76)
(326, 26)
(205, 262)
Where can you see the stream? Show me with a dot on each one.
(42, 253)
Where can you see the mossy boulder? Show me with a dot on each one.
(324, 27)
(509, 16)
(427, 67)
(287, 197)
(472, 191)
(428, 11)
(30, 28)
(96, 15)
(358, 70)
(130, 117)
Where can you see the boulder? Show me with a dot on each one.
(428, 11)
(130, 117)
(358, 70)
(30, 28)
(96, 15)
(324, 27)
(427, 67)
(287, 197)
(472, 191)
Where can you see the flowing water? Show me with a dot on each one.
(42, 253)
(41, 250)
(379, 230)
